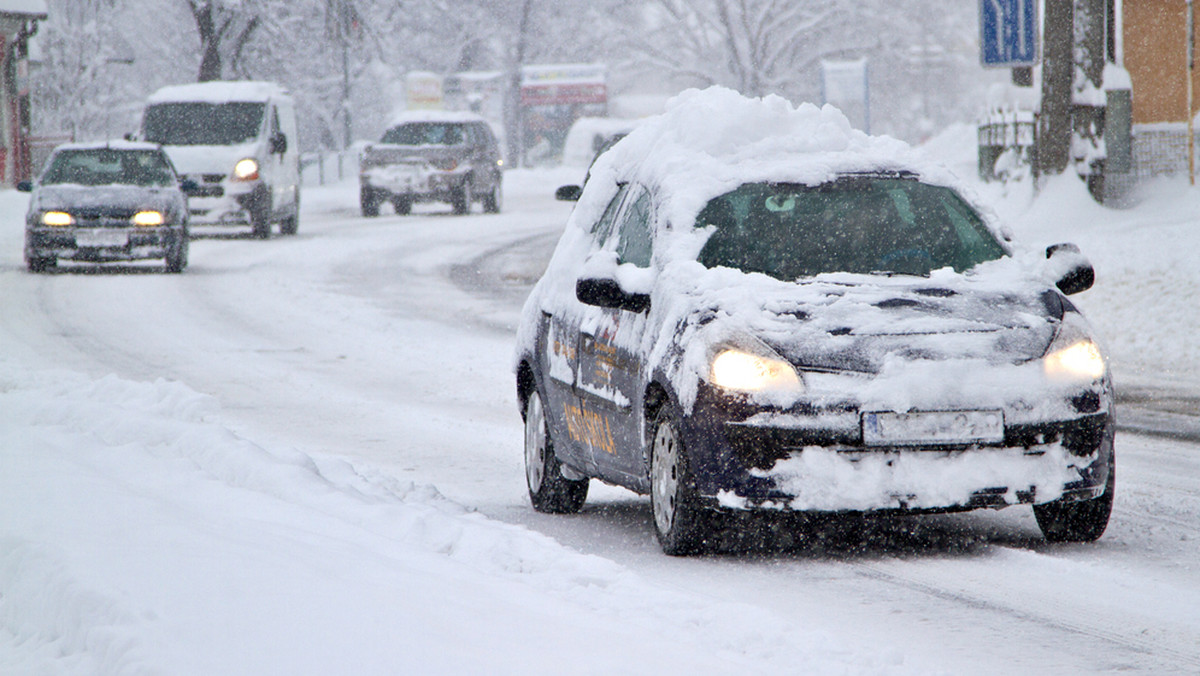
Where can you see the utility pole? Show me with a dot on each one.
(1058, 69)
(1191, 66)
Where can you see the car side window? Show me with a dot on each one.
(603, 227)
(635, 243)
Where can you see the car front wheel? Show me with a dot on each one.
(369, 202)
(493, 200)
(549, 490)
(1080, 520)
(461, 201)
(41, 263)
(177, 255)
(682, 525)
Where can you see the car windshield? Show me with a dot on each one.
(203, 124)
(854, 224)
(425, 134)
(106, 166)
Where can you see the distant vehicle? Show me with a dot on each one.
(432, 156)
(754, 308)
(98, 202)
(236, 141)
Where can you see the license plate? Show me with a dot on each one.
(921, 428)
(101, 238)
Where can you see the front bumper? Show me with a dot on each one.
(103, 244)
(808, 459)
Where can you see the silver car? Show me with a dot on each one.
(102, 202)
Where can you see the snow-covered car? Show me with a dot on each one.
(754, 307)
(114, 201)
(432, 156)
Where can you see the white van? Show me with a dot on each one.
(236, 141)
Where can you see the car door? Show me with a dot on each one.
(609, 379)
(578, 433)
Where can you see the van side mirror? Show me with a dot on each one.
(25, 186)
(1073, 271)
(188, 186)
(279, 144)
(568, 193)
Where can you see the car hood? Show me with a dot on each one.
(114, 197)
(862, 323)
(209, 159)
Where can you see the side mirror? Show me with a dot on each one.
(606, 292)
(25, 186)
(568, 193)
(1073, 272)
(188, 186)
(279, 143)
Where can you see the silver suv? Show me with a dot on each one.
(432, 156)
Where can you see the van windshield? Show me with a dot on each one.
(203, 124)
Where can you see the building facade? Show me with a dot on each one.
(18, 22)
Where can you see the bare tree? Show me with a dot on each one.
(225, 27)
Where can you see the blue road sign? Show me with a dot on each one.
(1008, 33)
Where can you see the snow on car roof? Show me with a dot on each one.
(709, 142)
(218, 92)
(115, 144)
(405, 116)
(27, 7)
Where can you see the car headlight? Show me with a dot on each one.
(741, 371)
(246, 170)
(445, 163)
(147, 218)
(57, 218)
(1073, 355)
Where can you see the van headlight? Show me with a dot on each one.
(743, 371)
(246, 170)
(1073, 355)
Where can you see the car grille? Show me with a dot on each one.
(103, 217)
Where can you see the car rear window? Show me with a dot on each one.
(425, 134)
(855, 224)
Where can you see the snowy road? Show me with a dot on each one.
(384, 345)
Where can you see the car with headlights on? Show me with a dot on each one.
(432, 156)
(103, 202)
(755, 308)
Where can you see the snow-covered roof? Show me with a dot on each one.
(219, 92)
(25, 7)
(434, 116)
(115, 144)
(711, 141)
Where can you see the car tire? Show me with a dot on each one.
(260, 219)
(369, 202)
(682, 525)
(549, 490)
(291, 224)
(402, 205)
(493, 200)
(461, 201)
(177, 256)
(41, 263)
(1079, 520)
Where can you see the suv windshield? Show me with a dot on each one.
(425, 134)
(105, 166)
(203, 124)
(860, 224)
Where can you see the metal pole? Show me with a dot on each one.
(1191, 51)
